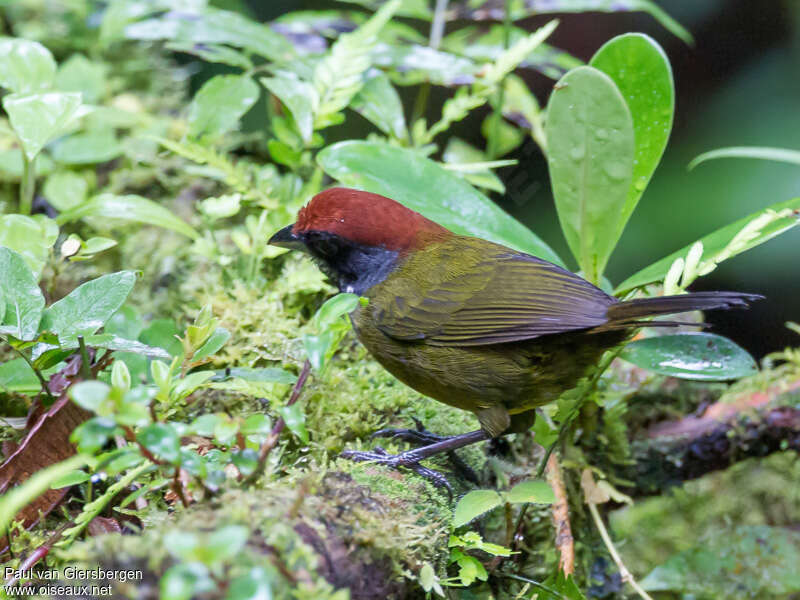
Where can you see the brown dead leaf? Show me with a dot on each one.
(45, 443)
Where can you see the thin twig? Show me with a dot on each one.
(565, 543)
(623, 570)
(280, 425)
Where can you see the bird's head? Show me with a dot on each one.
(357, 238)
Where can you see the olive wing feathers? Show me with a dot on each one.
(470, 292)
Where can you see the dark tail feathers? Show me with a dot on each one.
(629, 314)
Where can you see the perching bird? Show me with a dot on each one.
(465, 321)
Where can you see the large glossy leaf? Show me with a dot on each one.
(380, 103)
(130, 208)
(31, 237)
(87, 308)
(217, 106)
(703, 356)
(641, 70)
(529, 8)
(426, 187)
(40, 118)
(758, 152)
(590, 145)
(779, 217)
(23, 299)
(298, 96)
(25, 66)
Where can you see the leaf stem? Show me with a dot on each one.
(623, 570)
(86, 372)
(27, 185)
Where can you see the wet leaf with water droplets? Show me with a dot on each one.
(702, 356)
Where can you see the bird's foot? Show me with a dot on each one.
(422, 437)
(419, 436)
(405, 459)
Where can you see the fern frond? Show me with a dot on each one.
(339, 76)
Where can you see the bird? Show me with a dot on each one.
(466, 321)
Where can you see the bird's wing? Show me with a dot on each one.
(469, 292)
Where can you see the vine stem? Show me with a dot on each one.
(623, 570)
(434, 40)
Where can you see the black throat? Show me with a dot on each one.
(352, 267)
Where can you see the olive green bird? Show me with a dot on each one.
(465, 321)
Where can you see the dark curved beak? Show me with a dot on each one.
(286, 239)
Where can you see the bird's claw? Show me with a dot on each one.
(395, 461)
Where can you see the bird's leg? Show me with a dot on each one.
(410, 459)
(423, 437)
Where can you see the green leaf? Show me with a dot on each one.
(255, 584)
(16, 376)
(70, 479)
(87, 308)
(92, 435)
(266, 374)
(23, 299)
(40, 118)
(79, 74)
(162, 441)
(217, 106)
(161, 333)
(761, 153)
(378, 102)
(189, 384)
(474, 504)
(426, 187)
(214, 53)
(87, 148)
(214, 26)
(298, 96)
(31, 237)
(212, 345)
(412, 64)
(531, 491)
(225, 430)
(334, 308)
(25, 66)
(65, 189)
(129, 208)
(700, 356)
(590, 145)
(90, 395)
(256, 424)
(770, 222)
(641, 70)
(118, 344)
(295, 420)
